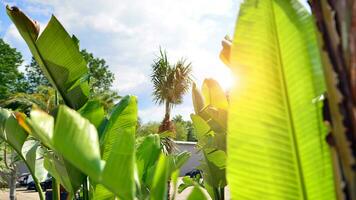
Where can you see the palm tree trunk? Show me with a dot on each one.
(166, 123)
(168, 111)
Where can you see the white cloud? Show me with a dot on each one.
(129, 79)
(12, 35)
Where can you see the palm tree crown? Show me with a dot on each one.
(170, 82)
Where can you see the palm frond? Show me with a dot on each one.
(170, 82)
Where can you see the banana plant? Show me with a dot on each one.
(63, 65)
(210, 123)
(276, 134)
(110, 165)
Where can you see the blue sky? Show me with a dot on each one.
(128, 33)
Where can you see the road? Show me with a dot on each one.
(23, 194)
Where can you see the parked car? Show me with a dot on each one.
(194, 173)
(47, 184)
(63, 195)
(23, 179)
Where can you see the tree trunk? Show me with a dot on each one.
(168, 110)
(12, 184)
(336, 22)
(166, 124)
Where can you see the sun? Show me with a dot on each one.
(222, 74)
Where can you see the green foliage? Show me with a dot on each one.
(29, 150)
(35, 77)
(184, 130)
(147, 129)
(196, 194)
(181, 132)
(101, 78)
(11, 78)
(276, 134)
(209, 122)
(44, 98)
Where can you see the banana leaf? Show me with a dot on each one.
(27, 149)
(58, 56)
(276, 135)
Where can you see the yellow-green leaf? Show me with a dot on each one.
(276, 139)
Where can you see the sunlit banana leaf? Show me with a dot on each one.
(41, 127)
(102, 193)
(198, 99)
(159, 185)
(276, 137)
(147, 154)
(93, 111)
(77, 140)
(210, 124)
(57, 54)
(197, 194)
(71, 133)
(214, 95)
(118, 148)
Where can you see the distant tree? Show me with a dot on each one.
(147, 129)
(107, 98)
(178, 118)
(11, 79)
(170, 83)
(191, 136)
(43, 98)
(184, 129)
(181, 132)
(35, 76)
(101, 79)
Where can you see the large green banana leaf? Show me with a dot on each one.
(41, 126)
(147, 154)
(93, 110)
(276, 137)
(29, 150)
(118, 149)
(58, 55)
(165, 167)
(196, 194)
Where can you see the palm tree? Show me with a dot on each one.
(170, 83)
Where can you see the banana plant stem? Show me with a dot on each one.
(55, 189)
(39, 190)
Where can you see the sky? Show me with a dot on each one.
(128, 34)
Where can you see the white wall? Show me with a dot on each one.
(195, 158)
